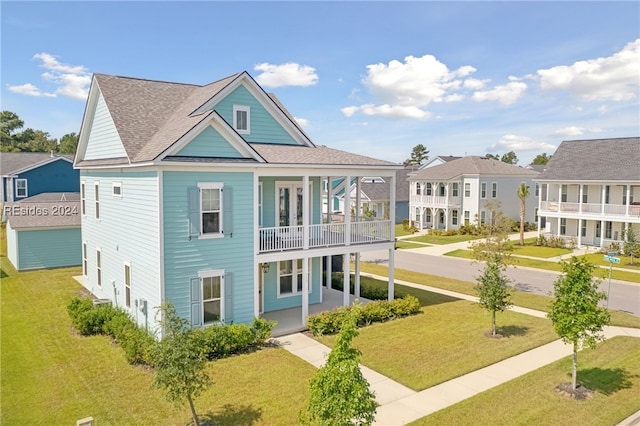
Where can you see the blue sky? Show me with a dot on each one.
(374, 78)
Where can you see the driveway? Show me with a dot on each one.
(623, 296)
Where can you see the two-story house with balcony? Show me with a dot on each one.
(209, 197)
(591, 191)
(455, 192)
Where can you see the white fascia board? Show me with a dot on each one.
(87, 120)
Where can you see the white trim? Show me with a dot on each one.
(161, 234)
(220, 187)
(246, 109)
(26, 188)
(115, 185)
(212, 273)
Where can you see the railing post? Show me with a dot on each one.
(347, 210)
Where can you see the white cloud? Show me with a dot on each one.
(70, 80)
(603, 109)
(506, 94)
(289, 74)
(517, 144)
(569, 131)
(612, 78)
(303, 122)
(29, 90)
(474, 83)
(404, 89)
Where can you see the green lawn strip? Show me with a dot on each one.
(611, 370)
(538, 251)
(602, 272)
(442, 239)
(404, 245)
(50, 375)
(519, 298)
(447, 340)
(625, 261)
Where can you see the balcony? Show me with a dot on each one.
(435, 201)
(284, 238)
(590, 210)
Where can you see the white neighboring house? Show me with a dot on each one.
(591, 191)
(455, 193)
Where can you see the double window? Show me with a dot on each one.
(21, 188)
(242, 119)
(494, 190)
(290, 278)
(483, 190)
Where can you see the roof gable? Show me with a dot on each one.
(13, 163)
(471, 165)
(595, 160)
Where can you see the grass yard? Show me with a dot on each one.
(519, 298)
(625, 261)
(555, 266)
(404, 245)
(442, 239)
(52, 376)
(611, 370)
(537, 251)
(446, 341)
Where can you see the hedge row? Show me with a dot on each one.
(214, 342)
(330, 322)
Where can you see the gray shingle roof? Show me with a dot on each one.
(471, 165)
(380, 191)
(12, 162)
(298, 154)
(595, 159)
(150, 116)
(50, 197)
(43, 215)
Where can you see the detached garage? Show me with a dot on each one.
(44, 234)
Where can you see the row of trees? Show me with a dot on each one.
(14, 138)
(420, 153)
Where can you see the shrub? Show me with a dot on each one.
(224, 340)
(329, 322)
(408, 226)
(89, 319)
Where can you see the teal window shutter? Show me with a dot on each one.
(228, 297)
(194, 211)
(227, 215)
(196, 302)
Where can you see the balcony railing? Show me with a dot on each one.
(281, 238)
(590, 209)
(435, 201)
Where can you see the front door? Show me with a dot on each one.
(596, 240)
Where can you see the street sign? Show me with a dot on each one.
(611, 259)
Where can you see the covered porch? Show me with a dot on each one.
(289, 320)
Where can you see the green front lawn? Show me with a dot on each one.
(442, 239)
(404, 245)
(445, 341)
(611, 370)
(625, 261)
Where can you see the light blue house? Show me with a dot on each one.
(210, 197)
(25, 174)
(44, 231)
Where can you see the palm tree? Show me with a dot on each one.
(523, 193)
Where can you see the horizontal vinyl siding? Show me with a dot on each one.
(209, 143)
(127, 231)
(104, 141)
(49, 248)
(57, 176)
(185, 257)
(12, 246)
(264, 128)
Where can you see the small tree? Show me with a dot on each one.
(509, 158)
(575, 313)
(178, 361)
(541, 159)
(419, 153)
(338, 393)
(493, 289)
(631, 243)
(523, 193)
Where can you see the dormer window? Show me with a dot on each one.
(241, 119)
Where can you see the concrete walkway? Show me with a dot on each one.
(400, 405)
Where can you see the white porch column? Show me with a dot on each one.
(580, 227)
(328, 272)
(358, 210)
(558, 232)
(356, 283)
(346, 284)
(347, 211)
(305, 212)
(580, 199)
(392, 204)
(305, 289)
(602, 232)
(604, 192)
(628, 190)
(391, 273)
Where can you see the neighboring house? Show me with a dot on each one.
(25, 174)
(44, 231)
(437, 160)
(455, 193)
(209, 197)
(591, 191)
(375, 193)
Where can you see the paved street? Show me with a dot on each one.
(623, 296)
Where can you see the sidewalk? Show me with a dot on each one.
(400, 405)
